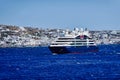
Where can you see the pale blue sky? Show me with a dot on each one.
(91, 14)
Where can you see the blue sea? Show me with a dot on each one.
(38, 63)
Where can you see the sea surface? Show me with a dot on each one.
(38, 63)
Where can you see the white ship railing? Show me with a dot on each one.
(71, 45)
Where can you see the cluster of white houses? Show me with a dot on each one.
(19, 36)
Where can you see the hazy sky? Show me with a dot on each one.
(91, 14)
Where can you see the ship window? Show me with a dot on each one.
(76, 44)
(63, 41)
(91, 43)
(80, 41)
(84, 43)
(65, 38)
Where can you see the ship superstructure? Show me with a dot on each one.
(77, 41)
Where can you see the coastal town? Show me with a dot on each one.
(16, 36)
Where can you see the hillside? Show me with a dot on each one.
(15, 36)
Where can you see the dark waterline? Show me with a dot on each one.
(39, 63)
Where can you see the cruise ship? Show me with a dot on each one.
(76, 41)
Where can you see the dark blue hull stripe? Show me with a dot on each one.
(73, 49)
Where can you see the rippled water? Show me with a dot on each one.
(39, 63)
